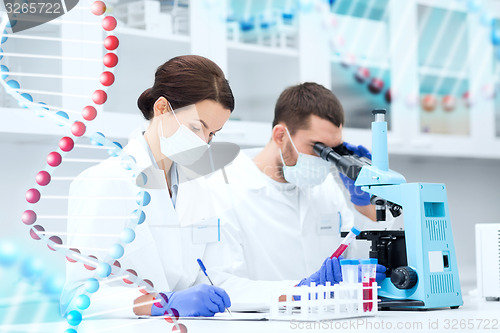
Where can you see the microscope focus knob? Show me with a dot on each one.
(404, 277)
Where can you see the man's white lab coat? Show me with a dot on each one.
(274, 234)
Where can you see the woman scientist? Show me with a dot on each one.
(189, 102)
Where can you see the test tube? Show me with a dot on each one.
(345, 242)
(369, 272)
(349, 270)
(350, 277)
(345, 265)
(355, 270)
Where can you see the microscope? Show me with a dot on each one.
(422, 270)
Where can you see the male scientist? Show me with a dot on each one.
(287, 211)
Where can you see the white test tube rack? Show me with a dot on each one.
(323, 302)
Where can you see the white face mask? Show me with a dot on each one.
(308, 171)
(183, 147)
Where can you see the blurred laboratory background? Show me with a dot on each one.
(433, 64)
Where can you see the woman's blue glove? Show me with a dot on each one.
(329, 271)
(380, 273)
(201, 300)
(358, 196)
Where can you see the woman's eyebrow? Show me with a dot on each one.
(204, 124)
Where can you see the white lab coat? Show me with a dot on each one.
(276, 233)
(166, 245)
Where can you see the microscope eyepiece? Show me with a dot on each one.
(347, 163)
(379, 111)
(379, 115)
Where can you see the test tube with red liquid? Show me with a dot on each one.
(368, 275)
(345, 243)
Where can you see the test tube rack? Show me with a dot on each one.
(327, 302)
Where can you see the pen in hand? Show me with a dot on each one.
(204, 270)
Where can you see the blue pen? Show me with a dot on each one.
(204, 270)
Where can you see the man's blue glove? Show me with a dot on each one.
(360, 150)
(329, 271)
(380, 273)
(201, 300)
(358, 196)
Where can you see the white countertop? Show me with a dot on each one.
(475, 315)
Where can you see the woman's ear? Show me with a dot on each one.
(161, 106)
(278, 135)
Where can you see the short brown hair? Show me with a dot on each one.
(186, 80)
(297, 103)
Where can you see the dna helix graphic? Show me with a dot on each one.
(27, 285)
(82, 147)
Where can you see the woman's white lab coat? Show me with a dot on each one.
(166, 245)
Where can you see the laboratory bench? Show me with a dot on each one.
(475, 315)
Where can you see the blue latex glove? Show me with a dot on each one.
(329, 271)
(380, 273)
(360, 150)
(201, 300)
(358, 196)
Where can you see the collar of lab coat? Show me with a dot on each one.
(189, 192)
(244, 171)
(136, 148)
(151, 176)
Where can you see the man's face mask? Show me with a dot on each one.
(308, 171)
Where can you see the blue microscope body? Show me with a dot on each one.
(421, 261)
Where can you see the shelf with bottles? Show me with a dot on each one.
(269, 26)
(361, 88)
(162, 18)
(444, 105)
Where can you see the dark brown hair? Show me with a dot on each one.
(297, 103)
(186, 80)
